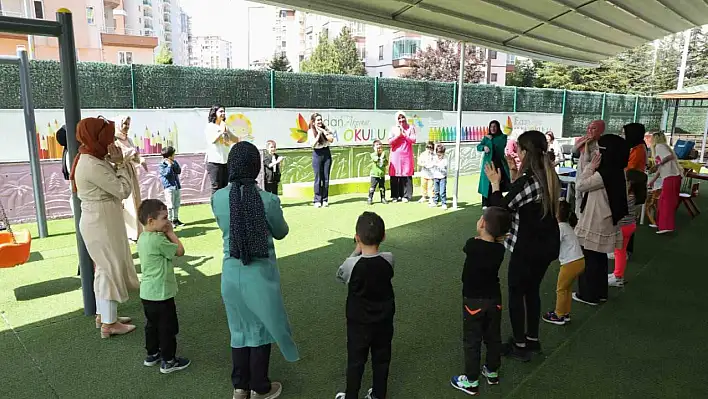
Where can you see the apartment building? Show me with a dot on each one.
(211, 52)
(321, 25)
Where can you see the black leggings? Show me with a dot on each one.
(592, 284)
(525, 276)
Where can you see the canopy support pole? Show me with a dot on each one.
(458, 136)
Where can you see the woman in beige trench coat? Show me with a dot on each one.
(132, 159)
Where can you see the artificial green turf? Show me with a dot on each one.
(643, 343)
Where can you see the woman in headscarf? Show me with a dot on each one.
(101, 180)
(401, 166)
(132, 157)
(603, 190)
(585, 147)
(634, 134)
(250, 219)
(493, 146)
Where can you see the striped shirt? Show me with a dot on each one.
(631, 217)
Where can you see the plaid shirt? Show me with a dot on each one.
(522, 193)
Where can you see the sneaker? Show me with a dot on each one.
(578, 299)
(340, 395)
(567, 318)
(318, 205)
(394, 200)
(176, 364)
(463, 384)
(152, 360)
(325, 204)
(533, 346)
(553, 318)
(179, 222)
(369, 201)
(404, 200)
(370, 394)
(614, 281)
(276, 389)
(443, 206)
(510, 349)
(383, 201)
(241, 394)
(664, 231)
(653, 226)
(422, 200)
(491, 376)
(432, 204)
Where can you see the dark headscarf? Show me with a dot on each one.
(61, 139)
(615, 155)
(499, 131)
(634, 134)
(248, 229)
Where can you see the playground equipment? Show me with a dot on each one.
(14, 247)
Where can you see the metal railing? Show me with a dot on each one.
(128, 32)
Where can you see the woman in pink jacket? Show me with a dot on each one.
(401, 166)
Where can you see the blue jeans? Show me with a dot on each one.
(321, 165)
(440, 190)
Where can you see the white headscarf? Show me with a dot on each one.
(119, 121)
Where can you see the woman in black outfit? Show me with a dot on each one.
(534, 239)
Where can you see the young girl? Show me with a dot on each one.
(271, 168)
(636, 195)
(572, 264)
(425, 161)
(667, 168)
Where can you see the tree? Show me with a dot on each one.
(339, 57)
(668, 60)
(347, 54)
(323, 59)
(525, 73)
(280, 63)
(164, 56)
(697, 65)
(442, 63)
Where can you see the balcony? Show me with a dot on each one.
(404, 51)
(147, 3)
(111, 3)
(142, 38)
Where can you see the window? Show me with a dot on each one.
(89, 16)
(302, 57)
(510, 59)
(361, 51)
(492, 55)
(283, 13)
(325, 32)
(125, 57)
(38, 9)
(283, 44)
(493, 77)
(405, 48)
(381, 74)
(381, 53)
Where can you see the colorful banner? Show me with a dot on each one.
(153, 129)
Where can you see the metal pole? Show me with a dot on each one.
(684, 59)
(454, 94)
(272, 88)
(705, 133)
(376, 93)
(133, 89)
(602, 112)
(72, 115)
(673, 122)
(516, 94)
(458, 136)
(636, 109)
(31, 132)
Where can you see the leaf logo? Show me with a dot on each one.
(508, 128)
(299, 133)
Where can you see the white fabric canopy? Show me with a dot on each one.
(580, 32)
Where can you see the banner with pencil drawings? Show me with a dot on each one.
(154, 129)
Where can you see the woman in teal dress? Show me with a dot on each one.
(249, 219)
(493, 146)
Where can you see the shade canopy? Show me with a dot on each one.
(699, 92)
(579, 32)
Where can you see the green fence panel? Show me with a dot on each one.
(689, 120)
(488, 98)
(312, 91)
(581, 108)
(539, 100)
(650, 112)
(619, 111)
(169, 86)
(408, 94)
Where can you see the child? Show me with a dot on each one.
(425, 161)
(271, 168)
(636, 195)
(572, 264)
(169, 176)
(481, 300)
(379, 164)
(370, 307)
(157, 245)
(439, 171)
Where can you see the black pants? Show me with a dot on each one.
(381, 183)
(481, 321)
(321, 165)
(250, 370)
(271, 187)
(402, 187)
(592, 284)
(362, 338)
(161, 327)
(525, 276)
(218, 175)
(630, 244)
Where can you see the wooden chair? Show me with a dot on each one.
(689, 190)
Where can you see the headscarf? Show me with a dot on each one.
(61, 139)
(499, 130)
(248, 229)
(634, 134)
(615, 154)
(120, 120)
(399, 113)
(595, 135)
(94, 136)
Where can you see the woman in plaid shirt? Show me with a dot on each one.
(533, 239)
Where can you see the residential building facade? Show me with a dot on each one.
(211, 52)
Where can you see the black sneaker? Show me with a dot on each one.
(152, 360)
(510, 349)
(179, 222)
(533, 346)
(176, 364)
(491, 376)
(369, 201)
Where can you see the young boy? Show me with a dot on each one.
(439, 172)
(378, 172)
(271, 168)
(370, 307)
(157, 246)
(425, 161)
(169, 176)
(481, 300)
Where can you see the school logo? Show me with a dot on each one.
(299, 133)
(240, 126)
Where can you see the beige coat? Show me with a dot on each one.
(584, 160)
(131, 204)
(101, 189)
(595, 230)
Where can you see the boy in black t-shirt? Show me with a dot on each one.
(370, 307)
(271, 168)
(481, 302)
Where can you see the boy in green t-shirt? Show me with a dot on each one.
(379, 162)
(157, 245)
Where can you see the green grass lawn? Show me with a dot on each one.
(647, 341)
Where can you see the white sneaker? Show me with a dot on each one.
(422, 200)
(653, 226)
(443, 206)
(578, 299)
(368, 394)
(325, 204)
(614, 281)
(404, 200)
(340, 395)
(317, 205)
(432, 204)
(611, 255)
(664, 231)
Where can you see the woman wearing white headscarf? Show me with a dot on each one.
(132, 159)
(401, 165)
